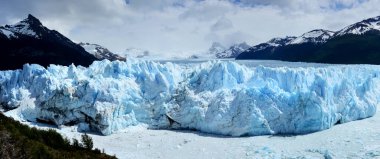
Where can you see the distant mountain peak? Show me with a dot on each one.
(281, 41)
(272, 43)
(217, 50)
(361, 27)
(318, 32)
(28, 41)
(101, 52)
(374, 19)
(326, 46)
(314, 36)
(32, 20)
(30, 26)
(233, 50)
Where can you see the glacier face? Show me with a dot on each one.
(220, 97)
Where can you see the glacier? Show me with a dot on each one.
(219, 97)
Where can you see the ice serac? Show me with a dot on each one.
(217, 97)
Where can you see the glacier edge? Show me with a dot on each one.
(220, 97)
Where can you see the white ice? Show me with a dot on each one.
(358, 139)
(220, 97)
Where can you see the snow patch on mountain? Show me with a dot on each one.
(280, 41)
(314, 36)
(233, 51)
(219, 97)
(217, 50)
(29, 27)
(273, 43)
(361, 27)
(22, 28)
(101, 52)
(7, 33)
(90, 48)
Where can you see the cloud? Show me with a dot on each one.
(304, 5)
(207, 10)
(156, 5)
(222, 24)
(228, 39)
(172, 26)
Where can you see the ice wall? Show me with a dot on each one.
(218, 97)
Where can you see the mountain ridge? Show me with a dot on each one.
(28, 41)
(354, 44)
(101, 52)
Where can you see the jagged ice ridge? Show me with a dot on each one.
(220, 97)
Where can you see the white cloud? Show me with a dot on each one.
(207, 10)
(222, 24)
(172, 26)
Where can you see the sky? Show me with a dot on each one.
(181, 27)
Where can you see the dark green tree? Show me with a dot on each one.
(87, 142)
(76, 143)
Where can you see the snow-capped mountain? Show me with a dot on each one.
(233, 51)
(30, 26)
(30, 42)
(218, 50)
(6, 33)
(280, 41)
(101, 52)
(361, 27)
(273, 43)
(326, 46)
(314, 36)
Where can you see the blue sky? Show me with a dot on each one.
(183, 26)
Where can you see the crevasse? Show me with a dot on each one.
(220, 97)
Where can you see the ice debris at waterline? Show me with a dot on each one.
(219, 97)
